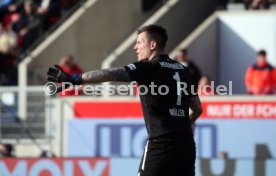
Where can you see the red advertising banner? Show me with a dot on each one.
(211, 110)
(108, 109)
(239, 110)
(55, 166)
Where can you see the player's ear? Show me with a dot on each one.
(153, 45)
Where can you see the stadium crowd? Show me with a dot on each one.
(251, 4)
(21, 23)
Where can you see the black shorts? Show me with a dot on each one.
(168, 159)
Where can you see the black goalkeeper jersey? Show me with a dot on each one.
(165, 87)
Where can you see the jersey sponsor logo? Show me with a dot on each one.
(177, 112)
(131, 67)
(175, 66)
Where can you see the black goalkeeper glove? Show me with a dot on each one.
(58, 75)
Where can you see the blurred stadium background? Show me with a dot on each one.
(105, 135)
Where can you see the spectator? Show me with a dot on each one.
(67, 63)
(182, 57)
(27, 24)
(8, 41)
(49, 12)
(257, 4)
(6, 7)
(259, 77)
(204, 87)
(6, 150)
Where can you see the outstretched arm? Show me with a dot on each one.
(110, 74)
(196, 108)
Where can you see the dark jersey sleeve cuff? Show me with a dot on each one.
(129, 73)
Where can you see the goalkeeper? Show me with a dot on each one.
(170, 149)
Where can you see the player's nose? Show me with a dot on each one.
(135, 47)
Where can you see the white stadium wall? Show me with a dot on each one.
(258, 30)
(241, 36)
(203, 51)
(226, 44)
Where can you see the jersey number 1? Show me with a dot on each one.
(179, 96)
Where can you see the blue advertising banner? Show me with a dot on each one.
(127, 137)
(108, 137)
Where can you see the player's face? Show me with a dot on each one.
(143, 47)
